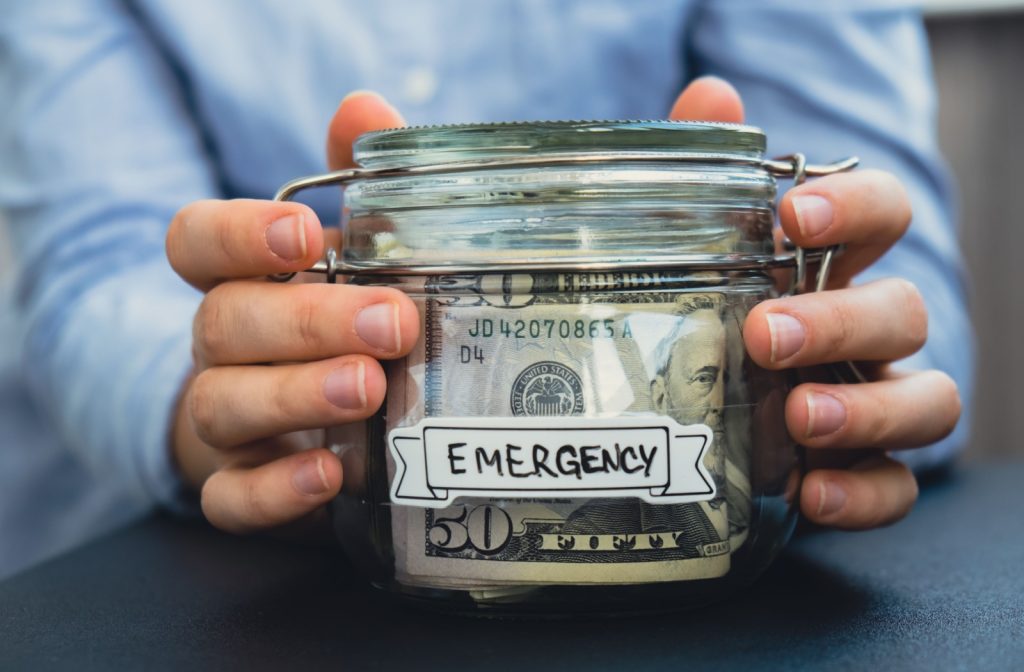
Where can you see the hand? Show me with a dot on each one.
(878, 322)
(237, 434)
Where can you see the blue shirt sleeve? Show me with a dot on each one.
(89, 184)
(852, 77)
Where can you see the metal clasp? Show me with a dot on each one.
(795, 166)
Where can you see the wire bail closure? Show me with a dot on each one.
(794, 166)
(844, 371)
(798, 163)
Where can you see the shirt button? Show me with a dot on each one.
(420, 85)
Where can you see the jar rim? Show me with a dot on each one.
(452, 143)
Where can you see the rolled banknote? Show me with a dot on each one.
(587, 428)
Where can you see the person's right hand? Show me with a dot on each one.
(233, 435)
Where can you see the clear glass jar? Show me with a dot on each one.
(579, 427)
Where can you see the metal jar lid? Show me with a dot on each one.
(513, 143)
(470, 149)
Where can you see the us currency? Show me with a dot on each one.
(581, 345)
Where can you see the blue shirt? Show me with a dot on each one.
(115, 114)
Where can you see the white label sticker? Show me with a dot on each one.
(650, 457)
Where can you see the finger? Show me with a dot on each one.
(358, 113)
(879, 321)
(211, 241)
(904, 411)
(868, 210)
(876, 492)
(250, 322)
(244, 500)
(709, 99)
(234, 405)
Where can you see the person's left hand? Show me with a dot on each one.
(878, 322)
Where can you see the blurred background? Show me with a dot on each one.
(978, 51)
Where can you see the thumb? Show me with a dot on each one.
(359, 112)
(709, 99)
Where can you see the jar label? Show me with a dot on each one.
(569, 428)
(653, 458)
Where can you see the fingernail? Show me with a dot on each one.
(831, 498)
(286, 237)
(345, 387)
(813, 214)
(378, 326)
(310, 478)
(787, 335)
(825, 414)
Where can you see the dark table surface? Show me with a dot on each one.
(944, 589)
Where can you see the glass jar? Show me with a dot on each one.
(579, 427)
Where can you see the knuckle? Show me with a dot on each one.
(877, 510)
(175, 242)
(842, 326)
(208, 498)
(912, 488)
(202, 406)
(900, 209)
(306, 318)
(877, 423)
(892, 495)
(209, 335)
(286, 400)
(914, 310)
(181, 233)
(903, 211)
(225, 241)
(902, 494)
(947, 390)
(873, 494)
(875, 506)
(255, 509)
(887, 191)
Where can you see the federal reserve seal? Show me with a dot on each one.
(547, 388)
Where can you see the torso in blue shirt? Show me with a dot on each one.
(119, 118)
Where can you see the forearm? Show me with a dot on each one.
(109, 366)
